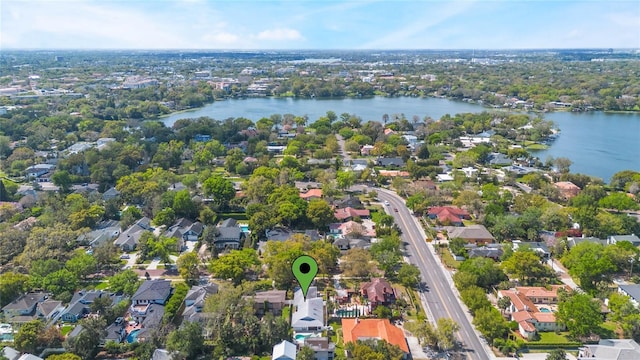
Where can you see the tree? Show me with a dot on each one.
(187, 265)
(618, 201)
(409, 276)
(220, 188)
(325, 254)
(423, 152)
(187, 340)
(580, 314)
(587, 262)
(65, 356)
(562, 164)
(357, 263)
(446, 333)
(456, 245)
(504, 303)
(475, 298)
(11, 286)
(26, 340)
(126, 281)
(487, 272)
(374, 350)
(345, 179)
(86, 342)
(184, 206)
(166, 217)
(320, 213)
(557, 354)
(305, 353)
(524, 265)
(279, 256)
(234, 265)
(490, 323)
(81, 264)
(62, 179)
(60, 281)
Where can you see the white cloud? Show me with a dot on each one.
(279, 34)
(221, 38)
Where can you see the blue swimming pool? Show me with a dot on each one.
(133, 336)
(545, 310)
(6, 337)
(244, 227)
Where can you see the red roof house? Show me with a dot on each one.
(448, 214)
(362, 329)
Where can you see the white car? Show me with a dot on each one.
(386, 203)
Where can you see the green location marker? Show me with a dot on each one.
(305, 269)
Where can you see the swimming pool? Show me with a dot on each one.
(6, 337)
(545, 310)
(133, 336)
(244, 227)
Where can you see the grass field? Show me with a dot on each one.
(537, 147)
(553, 338)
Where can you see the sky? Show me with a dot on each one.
(318, 24)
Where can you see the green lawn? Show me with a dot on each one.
(552, 338)
(336, 336)
(537, 147)
(448, 259)
(66, 329)
(286, 313)
(102, 285)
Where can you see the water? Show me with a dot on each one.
(545, 310)
(599, 144)
(133, 336)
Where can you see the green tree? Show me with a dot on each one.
(60, 281)
(11, 286)
(487, 272)
(320, 213)
(220, 189)
(446, 333)
(490, 323)
(475, 298)
(456, 245)
(62, 179)
(618, 201)
(357, 263)
(188, 267)
(187, 340)
(557, 354)
(423, 152)
(235, 265)
(524, 265)
(184, 206)
(86, 342)
(326, 255)
(65, 356)
(374, 350)
(587, 262)
(580, 314)
(409, 276)
(166, 217)
(81, 264)
(26, 339)
(345, 179)
(126, 281)
(305, 353)
(279, 256)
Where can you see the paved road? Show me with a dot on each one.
(438, 298)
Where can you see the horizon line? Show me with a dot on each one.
(315, 49)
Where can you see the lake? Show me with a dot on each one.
(599, 144)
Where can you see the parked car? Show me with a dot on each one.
(125, 257)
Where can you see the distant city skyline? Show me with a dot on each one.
(318, 25)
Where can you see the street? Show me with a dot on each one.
(437, 296)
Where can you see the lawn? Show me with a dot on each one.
(336, 336)
(102, 285)
(286, 313)
(448, 260)
(66, 329)
(552, 338)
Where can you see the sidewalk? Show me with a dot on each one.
(563, 274)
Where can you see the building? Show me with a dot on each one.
(129, 239)
(378, 291)
(476, 234)
(23, 309)
(567, 189)
(151, 292)
(381, 329)
(632, 291)
(611, 349)
(229, 235)
(194, 301)
(350, 213)
(80, 304)
(311, 194)
(308, 315)
(38, 170)
(633, 239)
(273, 301)
(448, 215)
(284, 351)
(323, 349)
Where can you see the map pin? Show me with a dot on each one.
(305, 269)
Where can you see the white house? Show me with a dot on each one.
(284, 351)
(308, 316)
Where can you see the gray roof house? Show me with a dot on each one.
(491, 251)
(185, 229)
(115, 332)
(308, 316)
(573, 241)
(10, 353)
(633, 238)
(229, 236)
(632, 291)
(112, 193)
(498, 159)
(48, 309)
(611, 349)
(272, 301)
(23, 309)
(80, 304)
(195, 299)
(390, 162)
(128, 239)
(278, 234)
(150, 299)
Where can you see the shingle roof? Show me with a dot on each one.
(632, 290)
(25, 302)
(153, 290)
(284, 350)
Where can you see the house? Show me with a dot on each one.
(633, 239)
(611, 349)
(128, 239)
(184, 230)
(632, 291)
(229, 235)
(378, 291)
(308, 315)
(10, 353)
(201, 137)
(23, 309)
(355, 329)
(284, 351)
(350, 213)
(304, 186)
(477, 234)
(80, 304)
(151, 292)
(272, 301)
(394, 173)
(114, 332)
(346, 243)
(444, 177)
(390, 162)
(48, 309)
(498, 159)
(311, 194)
(532, 318)
(538, 247)
(567, 189)
(448, 215)
(350, 201)
(99, 236)
(573, 241)
(38, 170)
(366, 150)
(112, 193)
(278, 234)
(491, 251)
(351, 229)
(194, 301)
(323, 349)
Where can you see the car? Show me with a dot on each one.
(386, 203)
(125, 256)
(395, 209)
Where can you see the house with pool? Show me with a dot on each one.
(533, 308)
